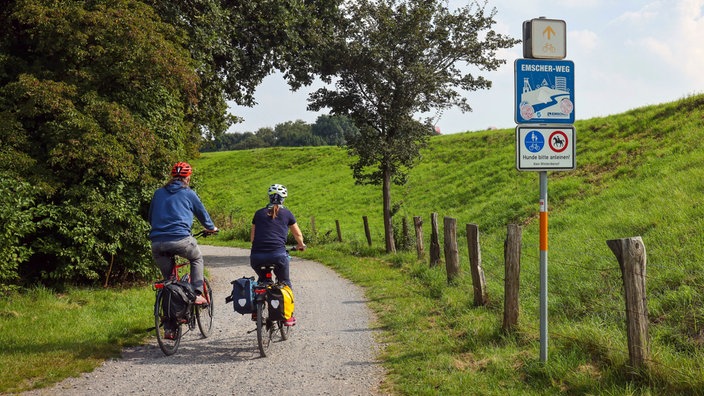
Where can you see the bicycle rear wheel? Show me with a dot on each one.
(167, 342)
(264, 326)
(204, 314)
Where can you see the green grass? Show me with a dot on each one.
(640, 173)
(46, 337)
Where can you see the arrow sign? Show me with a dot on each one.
(548, 32)
(544, 39)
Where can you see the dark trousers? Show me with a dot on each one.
(281, 265)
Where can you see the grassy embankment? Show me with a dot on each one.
(640, 173)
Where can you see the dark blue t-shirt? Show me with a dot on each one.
(270, 234)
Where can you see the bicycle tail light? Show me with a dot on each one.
(259, 291)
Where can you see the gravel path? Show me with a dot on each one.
(331, 351)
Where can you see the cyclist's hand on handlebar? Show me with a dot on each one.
(211, 232)
(301, 247)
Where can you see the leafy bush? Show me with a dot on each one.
(16, 214)
(93, 136)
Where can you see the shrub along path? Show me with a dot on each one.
(332, 350)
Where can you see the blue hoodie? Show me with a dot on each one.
(171, 212)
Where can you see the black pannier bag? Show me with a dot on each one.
(242, 296)
(177, 296)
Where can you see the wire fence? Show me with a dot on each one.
(596, 287)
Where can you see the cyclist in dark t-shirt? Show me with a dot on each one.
(270, 227)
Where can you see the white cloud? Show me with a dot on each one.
(627, 54)
(658, 48)
(585, 40)
(690, 56)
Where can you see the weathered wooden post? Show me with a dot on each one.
(475, 264)
(404, 233)
(418, 224)
(366, 230)
(434, 240)
(452, 258)
(512, 262)
(339, 233)
(630, 253)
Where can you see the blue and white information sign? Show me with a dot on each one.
(544, 91)
(545, 147)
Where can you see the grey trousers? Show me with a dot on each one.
(186, 248)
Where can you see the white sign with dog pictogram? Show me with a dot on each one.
(540, 148)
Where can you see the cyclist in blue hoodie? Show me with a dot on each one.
(171, 216)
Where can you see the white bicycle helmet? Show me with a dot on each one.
(277, 193)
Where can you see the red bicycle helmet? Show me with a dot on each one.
(181, 169)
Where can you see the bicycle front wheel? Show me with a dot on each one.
(168, 335)
(263, 328)
(204, 314)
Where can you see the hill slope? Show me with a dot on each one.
(640, 173)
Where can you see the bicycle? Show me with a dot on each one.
(198, 314)
(267, 328)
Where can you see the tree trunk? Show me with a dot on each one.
(388, 224)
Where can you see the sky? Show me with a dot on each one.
(626, 54)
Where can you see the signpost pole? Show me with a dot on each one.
(543, 266)
(544, 146)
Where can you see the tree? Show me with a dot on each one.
(393, 59)
(98, 98)
(238, 43)
(295, 134)
(267, 135)
(332, 129)
(91, 124)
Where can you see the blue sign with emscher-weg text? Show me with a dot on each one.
(544, 91)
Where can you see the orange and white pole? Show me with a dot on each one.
(544, 266)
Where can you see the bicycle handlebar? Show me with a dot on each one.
(206, 233)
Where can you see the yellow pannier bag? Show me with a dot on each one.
(280, 301)
(288, 301)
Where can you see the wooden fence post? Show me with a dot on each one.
(366, 230)
(475, 264)
(339, 234)
(630, 253)
(404, 233)
(434, 240)
(452, 258)
(512, 262)
(418, 224)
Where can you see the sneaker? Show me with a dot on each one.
(170, 334)
(290, 322)
(200, 300)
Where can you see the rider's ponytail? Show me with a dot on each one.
(273, 211)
